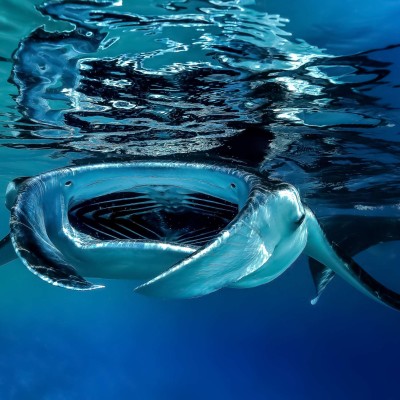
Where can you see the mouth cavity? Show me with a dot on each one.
(163, 213)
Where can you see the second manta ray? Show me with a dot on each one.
(185, 229)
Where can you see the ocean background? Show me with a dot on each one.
(306, 92)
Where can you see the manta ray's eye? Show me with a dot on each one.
(233, 186)
(68, 183)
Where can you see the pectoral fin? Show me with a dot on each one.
(352, 234)
(332, 257)
(321, 276)
(7, 252)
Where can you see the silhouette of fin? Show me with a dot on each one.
(321, 276)
(352, 234)
(332, 256)
(7, 252)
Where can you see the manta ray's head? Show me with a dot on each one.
(213, 225)
(122, 220)
(185, 229)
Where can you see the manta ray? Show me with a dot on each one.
(183, 229)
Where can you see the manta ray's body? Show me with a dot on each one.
(185, 229)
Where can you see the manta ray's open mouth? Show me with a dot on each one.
(164, 213)
(184, 229)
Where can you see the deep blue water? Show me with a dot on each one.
(305, 92)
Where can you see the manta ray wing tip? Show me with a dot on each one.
(81, 285)
(314, 301)
(96, 287)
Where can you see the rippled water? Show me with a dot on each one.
(216, 79)
(92, 81)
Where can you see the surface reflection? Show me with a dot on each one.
(215, 80)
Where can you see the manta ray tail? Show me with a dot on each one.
(333, 258)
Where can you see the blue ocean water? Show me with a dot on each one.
(303, 92)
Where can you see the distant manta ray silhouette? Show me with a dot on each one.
(186, 229)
